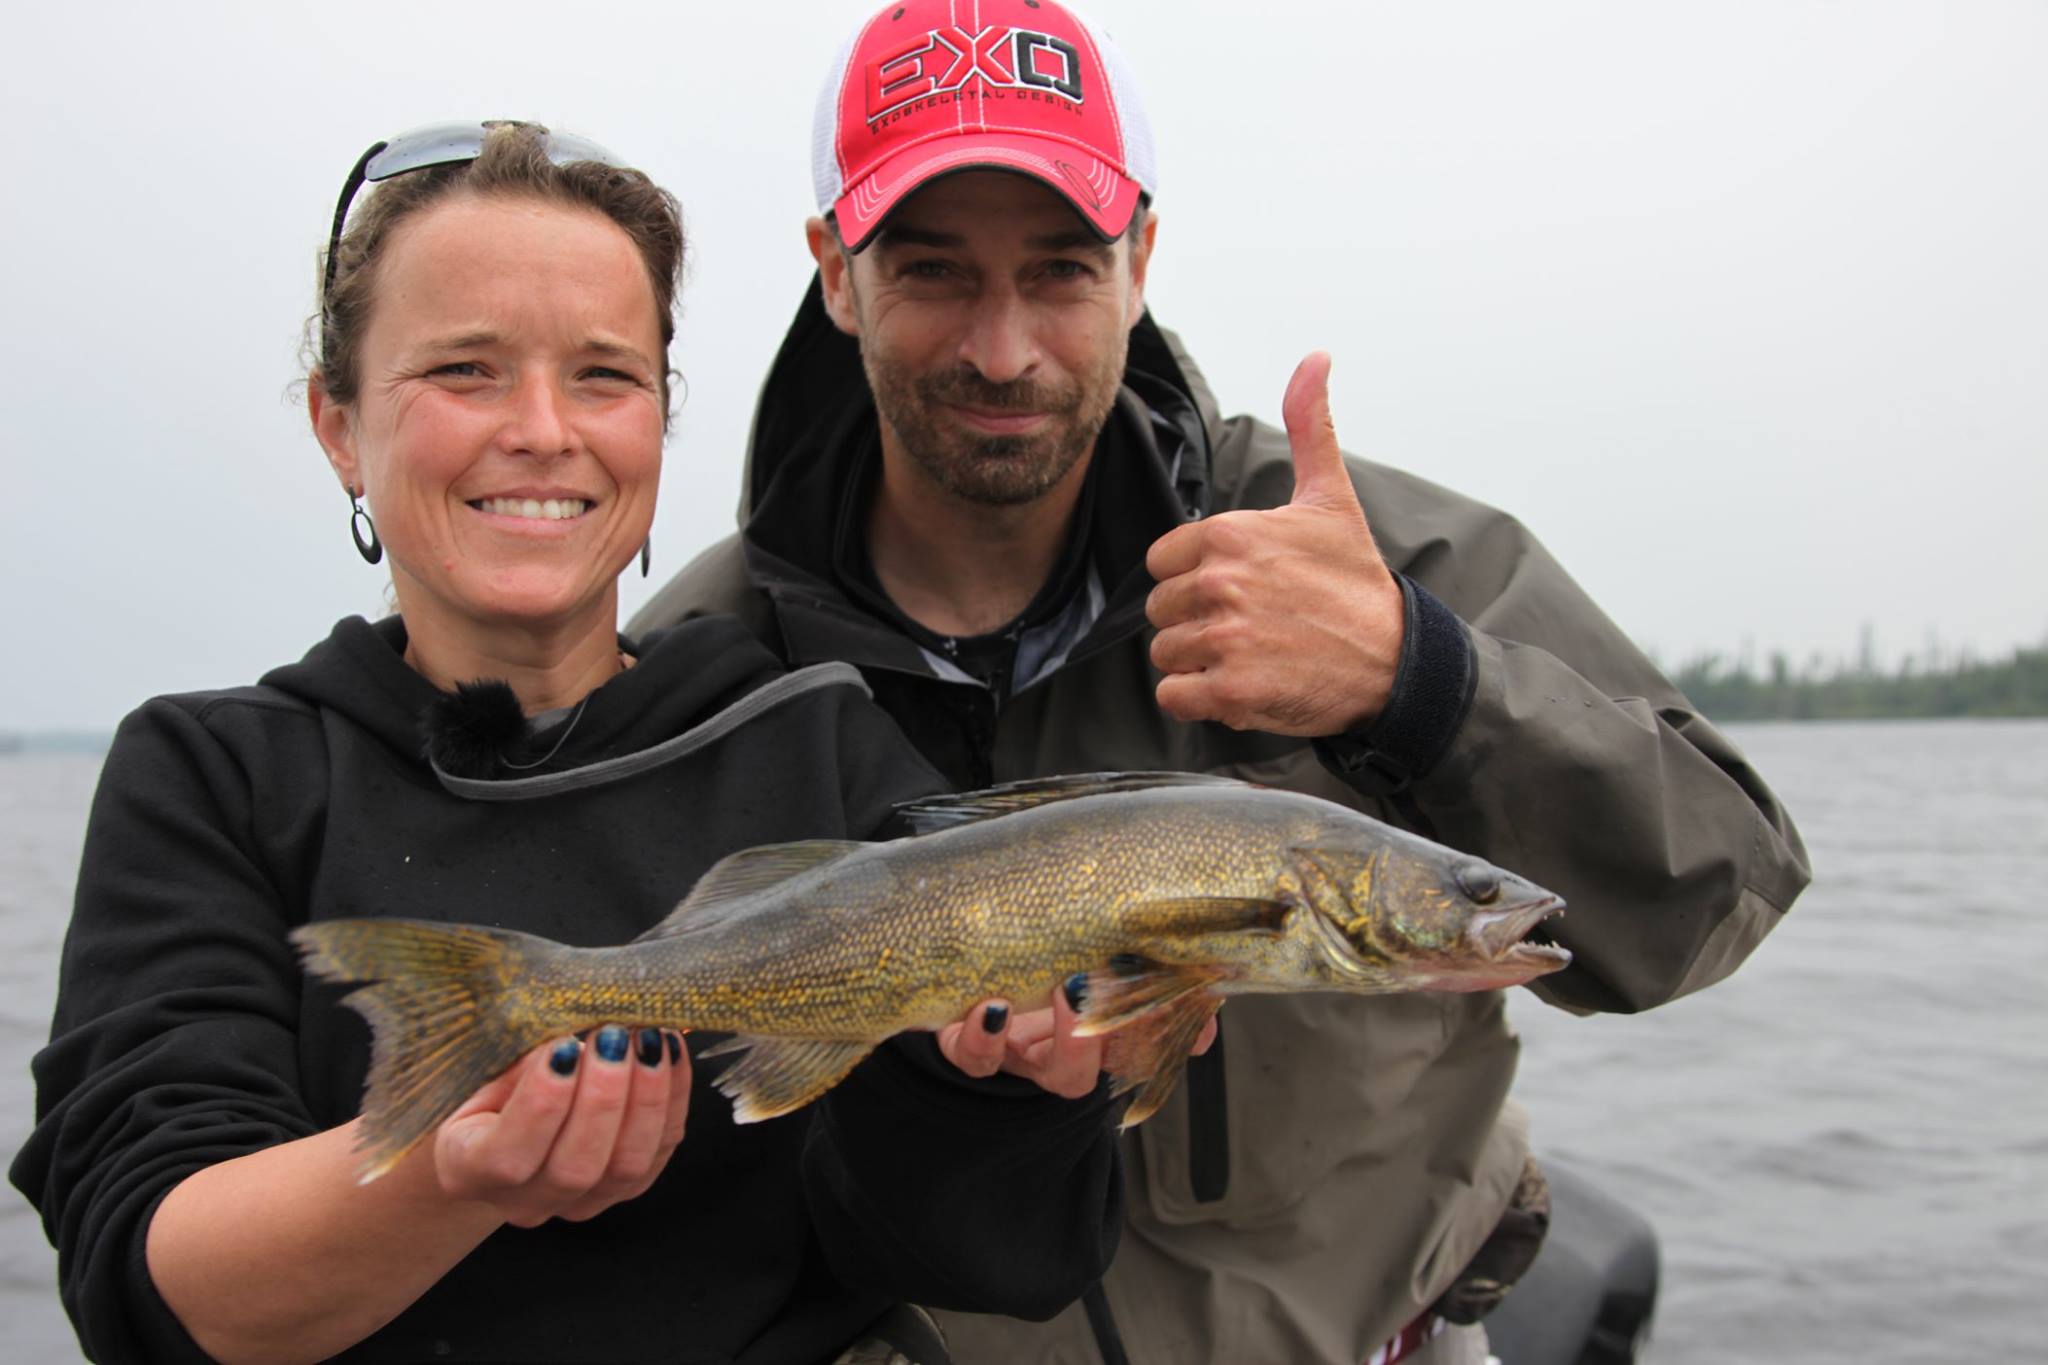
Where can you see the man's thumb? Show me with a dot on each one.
(1319, 474)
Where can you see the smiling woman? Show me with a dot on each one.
(491, 390)
(493, 381)
(506, 434)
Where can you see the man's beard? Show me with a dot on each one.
(994, 471)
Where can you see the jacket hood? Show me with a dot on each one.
(815, 437)
(683, 676)
(816, 394)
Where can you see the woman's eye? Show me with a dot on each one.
(605, 372)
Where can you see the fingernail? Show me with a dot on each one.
(611, 1043)
(1077, 990)
(650, 1047)
(675, 1047)
(562, 1061)
(993, 1017)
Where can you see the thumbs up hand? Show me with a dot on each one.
(1284, 620)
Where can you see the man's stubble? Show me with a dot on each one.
(993, 471)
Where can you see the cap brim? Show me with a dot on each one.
(1104, 196)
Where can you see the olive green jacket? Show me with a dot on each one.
(1306, 1196)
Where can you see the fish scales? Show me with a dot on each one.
(862, 949)
(1169, 891)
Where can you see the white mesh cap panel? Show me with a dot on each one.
(826, 180)
(1140, 160)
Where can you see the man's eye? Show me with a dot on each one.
(927, 270)
(459, 369)
(1066, 270)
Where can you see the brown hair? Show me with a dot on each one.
(513, 164)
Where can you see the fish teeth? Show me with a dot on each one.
(534, 509)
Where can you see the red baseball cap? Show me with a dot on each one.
(928, 87)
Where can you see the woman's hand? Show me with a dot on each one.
(1040, 1046)
(572, 1129)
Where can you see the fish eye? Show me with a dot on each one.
(1480, 882)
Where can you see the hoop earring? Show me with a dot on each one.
(646, 555)
(372, 549)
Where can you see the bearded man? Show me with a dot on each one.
(981, 473)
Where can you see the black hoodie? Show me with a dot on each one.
(185, 1034)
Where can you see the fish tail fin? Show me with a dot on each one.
(444, 1011)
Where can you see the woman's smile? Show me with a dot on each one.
(534, 507)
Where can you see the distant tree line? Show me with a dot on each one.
(1962, 686)
(1930, 684)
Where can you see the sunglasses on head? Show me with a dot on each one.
(444, 144)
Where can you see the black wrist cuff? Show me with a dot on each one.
(1433, 687)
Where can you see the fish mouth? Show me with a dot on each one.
(1501, 937)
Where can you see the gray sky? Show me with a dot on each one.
(1742, 306)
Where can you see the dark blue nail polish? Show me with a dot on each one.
(562, 1061)
(675, 1048)
(1077, 991)
(650, 1047)
(994, 1017)
(611, 1043)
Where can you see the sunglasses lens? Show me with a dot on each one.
(422, 147)
(451, 142)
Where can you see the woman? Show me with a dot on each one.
(491, 389)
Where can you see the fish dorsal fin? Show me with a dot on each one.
(776, 1075)
(1184, 915)
(737, 876)
(965, 808)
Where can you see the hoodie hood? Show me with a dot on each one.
(685, 679)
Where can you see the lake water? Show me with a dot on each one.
(1844, 1146)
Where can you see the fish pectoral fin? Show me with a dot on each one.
(965, 808)
(1131, 988)
(776, 1075)
(1185, 915)
(733, 878)
(1150, 1054)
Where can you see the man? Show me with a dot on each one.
(982, 474)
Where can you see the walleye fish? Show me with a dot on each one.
(1172, 891)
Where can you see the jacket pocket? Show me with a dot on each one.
(1306, 1085)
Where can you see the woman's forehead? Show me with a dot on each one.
(474, 257)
